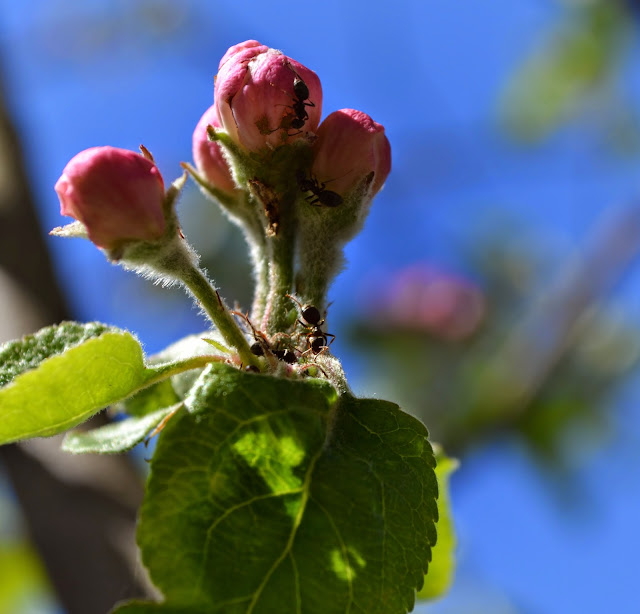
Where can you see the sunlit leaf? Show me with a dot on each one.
(441, 571)
(281, 496)
(60, 376)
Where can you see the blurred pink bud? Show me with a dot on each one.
(208, 156)
(443, 305)
(351, 146)
(264, 98)
(117, 194)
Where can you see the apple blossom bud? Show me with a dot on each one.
(208, 156)
(350, 146)
(423, 299)
(117, 194)
(266, 99)
(248, 46)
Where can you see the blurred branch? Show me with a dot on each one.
(461, 357)
(544, 334)
(568, 70)
(81, 521)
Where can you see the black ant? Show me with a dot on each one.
(261, 345)
(286, 356)
(320, 196)
(300, 104)
(317, 339)
(299, 115)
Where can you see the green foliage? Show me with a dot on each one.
(441, 571)
(278, 495)
(273, 494)
(116, 437)
(139, 607)
(148, 400)
(17, 357)
(60, 376)
(173, 389)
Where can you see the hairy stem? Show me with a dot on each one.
(214, 306)
(280, 283)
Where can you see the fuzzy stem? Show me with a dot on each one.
(280, 282)
(157, 373)
(261, 277)
(213, 304)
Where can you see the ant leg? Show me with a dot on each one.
(295, 300)
(306, 352)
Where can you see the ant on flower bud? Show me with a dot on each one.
(317, 339)
(298, 116)
(320, 196)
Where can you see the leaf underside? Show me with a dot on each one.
(117, 437)
(280, 496)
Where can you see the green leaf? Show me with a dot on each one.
(172, 390)
(17, 357)
(281, 496)
(139, 607)
(442, 569)
(63, 374)
(148, 401)
(117, 437)
(60, 376)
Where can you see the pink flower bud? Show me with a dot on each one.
(208, 157)
(264, 98)
(423, 299)
(117, 194)
(351, 146)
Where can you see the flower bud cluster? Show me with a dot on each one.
(263, 100)
(299, 188)
(304, 181)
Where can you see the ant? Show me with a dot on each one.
(261, 345)
(298, 116)
(320, 196)
(299, 106)
(317, 339)
(286, 355)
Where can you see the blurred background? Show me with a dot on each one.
(494, 292)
